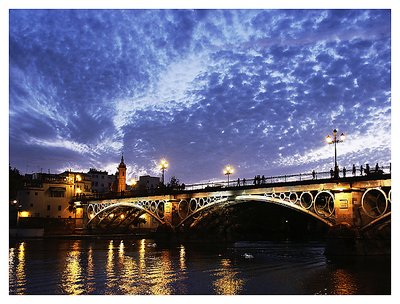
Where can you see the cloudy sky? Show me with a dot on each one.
(257, 89)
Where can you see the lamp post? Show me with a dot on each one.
(228, 170)
(163, 166)
(335, 141)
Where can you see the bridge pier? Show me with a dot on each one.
(347, 237)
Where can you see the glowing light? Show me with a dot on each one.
(122, 216)
(78, 178)
(24, 214)
(342, 137)
(163, 164)
(328, 139)
(133, 182)
(78, 191)
(229, 170)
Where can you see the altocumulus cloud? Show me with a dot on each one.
(259, 89)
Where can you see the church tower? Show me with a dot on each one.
(121, 176)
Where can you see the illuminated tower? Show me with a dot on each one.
(121, 176)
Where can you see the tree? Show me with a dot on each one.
(174, 183)
(16, 183)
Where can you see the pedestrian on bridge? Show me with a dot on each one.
(376, 168)
(361, 170)
(313, 174)
(263, 179)
(331, 173)
(354, 170)
(367, 170)
(238, 182)
(244, 182)
(344, 171)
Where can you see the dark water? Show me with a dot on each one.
(128, 266)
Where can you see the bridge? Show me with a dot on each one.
(357, 202)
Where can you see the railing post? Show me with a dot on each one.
(300, 176)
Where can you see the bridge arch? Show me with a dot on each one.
(99, 211)
(288, 200)
(374, 202)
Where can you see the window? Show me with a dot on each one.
(48, 207)
(59, 207)
(31, 205)
(57, 194)
(102, 176)
(36, 193)
(27, 193)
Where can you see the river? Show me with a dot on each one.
(122, 265)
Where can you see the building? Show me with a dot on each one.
(148, 182)
(48, 195)
(121, 176)
(101, 180)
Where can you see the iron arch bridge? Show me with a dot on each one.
(323, 205)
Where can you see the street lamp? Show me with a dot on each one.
(335, 141)
(163, 166)
(228, 170)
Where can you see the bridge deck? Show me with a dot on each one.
(282, 181)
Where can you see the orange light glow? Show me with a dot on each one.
(24, 214)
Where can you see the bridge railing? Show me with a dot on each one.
(262, 180)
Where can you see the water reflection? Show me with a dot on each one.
(344, 283)
(182, 260)
(71, 279)
(227, 282)
(111, 281)
(90, 271)
(139, 267)
(17, 271)
(142, 253)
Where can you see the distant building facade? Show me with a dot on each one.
(101, 181)
(148, 182)
(48, 195)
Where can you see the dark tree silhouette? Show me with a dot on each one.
(16, 182)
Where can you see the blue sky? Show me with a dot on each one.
(258, 89)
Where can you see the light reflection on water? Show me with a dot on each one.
(17, 264)
(344, 282)
(71, 279)
(227, 282)
(140, 267)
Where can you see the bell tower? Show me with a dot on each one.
(121, 176)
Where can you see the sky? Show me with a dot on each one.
(258, 89)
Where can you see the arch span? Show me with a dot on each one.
(259, 198)
(110, 207)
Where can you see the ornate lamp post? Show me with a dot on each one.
(335, 141)
(228, 170)
(163, 166)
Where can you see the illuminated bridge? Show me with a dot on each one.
(359, 202)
